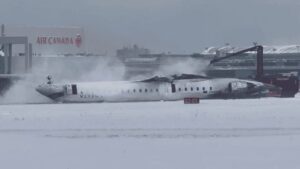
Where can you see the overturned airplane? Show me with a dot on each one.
(172, 88)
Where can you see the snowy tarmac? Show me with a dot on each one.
(249, 133)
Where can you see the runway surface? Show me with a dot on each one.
(249, 133)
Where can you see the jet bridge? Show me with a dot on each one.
(259, 59)
(288, 82)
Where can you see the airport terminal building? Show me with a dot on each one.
(50, 40)
(47, 44)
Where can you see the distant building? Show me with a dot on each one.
(280, 59)
(135, 51)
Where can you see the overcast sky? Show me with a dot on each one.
(178, 26)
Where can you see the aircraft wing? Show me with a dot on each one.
(171, 78)
(157, 79)
(188, 76)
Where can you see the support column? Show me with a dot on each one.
(9, 59)
(2, 30)
(26, 58)
(30, 57)
(6, 56)
(260, 63)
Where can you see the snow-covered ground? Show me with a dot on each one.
(250, 133)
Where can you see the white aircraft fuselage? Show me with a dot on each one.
(134, 91)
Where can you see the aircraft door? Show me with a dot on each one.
(71, 89)
(173, 88)
(74, 89)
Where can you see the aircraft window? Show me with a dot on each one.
(210, 88)
(128, 91)
(192, 89)
(133, 90)
(151, 90)
(179, 89)
(185, 89)
(156, 90)
(146, 90)
(203, 88)
(140, 90)
(197, 88)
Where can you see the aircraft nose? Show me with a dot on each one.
(50, 90)
(41, 89)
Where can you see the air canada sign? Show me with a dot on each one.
(55, 40)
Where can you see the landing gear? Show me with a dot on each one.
(49, 78)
